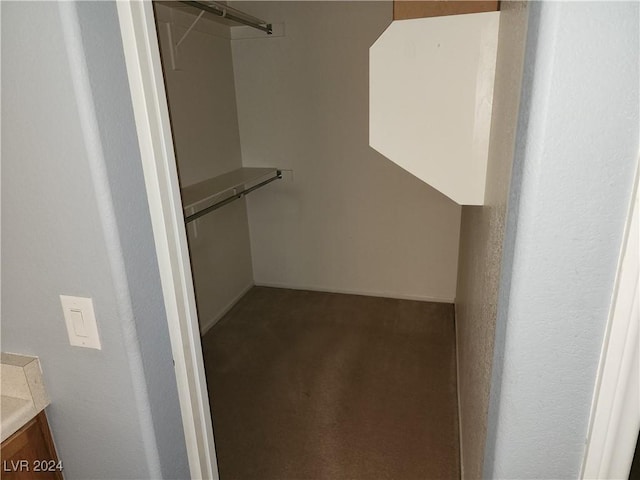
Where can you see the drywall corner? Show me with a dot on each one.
(576, 150)
(481, 238)
(71, 160)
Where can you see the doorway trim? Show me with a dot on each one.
(615, 411)
(151, 112)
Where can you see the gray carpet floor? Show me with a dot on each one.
(309, 385)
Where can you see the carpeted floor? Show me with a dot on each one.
(309, 385)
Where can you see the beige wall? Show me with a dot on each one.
(202, 103)
(481, 237)
(351, 220)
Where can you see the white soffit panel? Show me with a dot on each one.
(430, 96)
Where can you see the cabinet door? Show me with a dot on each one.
(403, 10)
(29, 453)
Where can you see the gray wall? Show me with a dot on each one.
(481, 237)
(576, 152)
(75, 221)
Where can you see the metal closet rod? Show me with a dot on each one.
(224, 11)
(233, 197)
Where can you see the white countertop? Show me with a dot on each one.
(22, 390)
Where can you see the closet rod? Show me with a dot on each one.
(223, 11)
(236, 196)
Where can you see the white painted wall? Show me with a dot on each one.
(351, 220)
(202, 103)
(431, 91)
(75, 221)
(576, 153)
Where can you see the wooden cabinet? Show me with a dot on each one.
(30, 454)
(403, 10)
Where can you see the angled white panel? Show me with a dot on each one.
(431, 91)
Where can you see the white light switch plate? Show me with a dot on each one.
(81, 321)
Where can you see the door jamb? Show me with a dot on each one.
(144, 70)
(615, 411)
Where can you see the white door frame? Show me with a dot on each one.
(142, 56)
(615, 412)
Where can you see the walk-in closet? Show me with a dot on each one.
(325, 274)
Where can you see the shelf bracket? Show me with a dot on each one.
(189, 29)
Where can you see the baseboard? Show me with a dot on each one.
(205, 327)
(420, 298)
(455, 323)
(208, 325)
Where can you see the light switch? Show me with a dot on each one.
(78, 323)
(81, 321)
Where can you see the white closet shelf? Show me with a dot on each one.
(204, 197)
